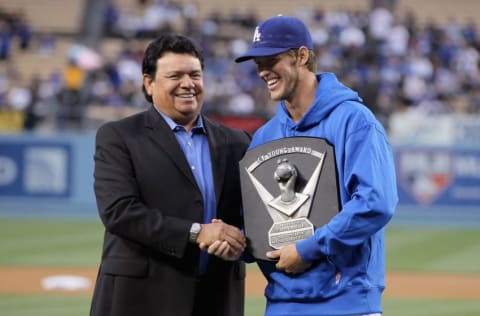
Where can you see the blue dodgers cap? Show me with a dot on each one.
(277, 35)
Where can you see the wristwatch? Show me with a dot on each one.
(194, 231)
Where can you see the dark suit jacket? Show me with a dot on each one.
(148, 198)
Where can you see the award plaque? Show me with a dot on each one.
(289, 188)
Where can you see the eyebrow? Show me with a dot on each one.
(180, 71)
(269, 60)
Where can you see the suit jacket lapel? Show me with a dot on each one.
(216, 141)
(160, 133)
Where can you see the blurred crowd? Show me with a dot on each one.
(395, 63)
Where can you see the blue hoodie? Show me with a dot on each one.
(347, 275)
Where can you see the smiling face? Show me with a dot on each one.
(177, 88)
(281, 75)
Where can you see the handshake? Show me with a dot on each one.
(222, 240)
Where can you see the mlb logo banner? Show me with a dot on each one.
(438, 176)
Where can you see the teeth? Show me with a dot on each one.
(272, 82)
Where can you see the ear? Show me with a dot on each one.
(148, 83)
(302, 55)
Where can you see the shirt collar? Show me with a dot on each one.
(198, 128)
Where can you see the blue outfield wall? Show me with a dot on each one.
(47, 174)
(52, 174)
(438, 185)
(434, 176)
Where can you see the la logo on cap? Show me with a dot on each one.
(257, 35)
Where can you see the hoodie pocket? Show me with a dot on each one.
(320, 281)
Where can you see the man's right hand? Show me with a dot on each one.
(221, 239)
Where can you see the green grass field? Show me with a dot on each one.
(77, 243)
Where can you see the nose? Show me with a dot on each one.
(262, 72)
(187, 82)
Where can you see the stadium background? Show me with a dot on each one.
(49, 110)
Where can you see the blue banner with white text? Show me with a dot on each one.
(37, 169)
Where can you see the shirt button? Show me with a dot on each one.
(193, 167)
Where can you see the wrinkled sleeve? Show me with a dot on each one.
(369, 196)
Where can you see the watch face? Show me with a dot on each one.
(194, 231)
(196, 228)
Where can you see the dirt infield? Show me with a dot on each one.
(408, 285)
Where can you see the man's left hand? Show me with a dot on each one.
(289, 260)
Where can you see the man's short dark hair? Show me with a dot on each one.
(166, 43)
